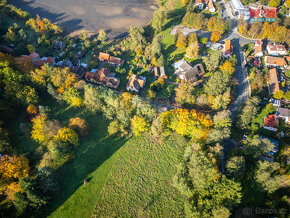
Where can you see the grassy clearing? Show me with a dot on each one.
(140, 181)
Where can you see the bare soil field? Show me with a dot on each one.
(115, 16)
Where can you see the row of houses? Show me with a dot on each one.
(273, 49)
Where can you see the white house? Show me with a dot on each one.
(283, 113)
(276, 49)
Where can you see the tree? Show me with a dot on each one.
(221, 212)
(72, 96)
(201, 171)
(217, 84)
(83, 35)
(13, 167)
(38, 133)
(215, 36)
(139, 125)
(31, 109)
(184, 93)
(236, 167)
(222, 119)
(181, 41)
(212, 61)
(287, 95)
(274, 3)
(11, 189)
(67, 135)
(187, 123)
(114, 127)
(248, 113)
(278, 94)
(287, 3)
(137, 38)
(80, 125)
(192, 50)
(30, 48)
(102, 35)
(264, 176)
(280, 34)
(257, 147)
(192, 38)
(41, 76)
(91, 99)
(228, 67)
(159, 19)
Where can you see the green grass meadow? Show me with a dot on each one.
(128, 177)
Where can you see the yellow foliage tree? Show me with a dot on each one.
(11, 189)
(13, 167)
(38, 133)
(41, 76)
(215, 36)
(187, 123)
(227, 67)
(181, 41)
(139, 125)
(67, 135)
(32, 109)
(126, 98)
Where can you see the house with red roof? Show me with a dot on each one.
(271, 122)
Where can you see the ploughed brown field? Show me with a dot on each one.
(115, 16)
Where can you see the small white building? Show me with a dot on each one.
(283, 113)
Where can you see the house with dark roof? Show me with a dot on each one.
(271, 122)
(283, 113)
(79, 71)
(273, 82)
(104, 77)
(58, 45)
(136, 83)
(185, 71)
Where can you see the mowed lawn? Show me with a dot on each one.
(127, 177)
(140, 183)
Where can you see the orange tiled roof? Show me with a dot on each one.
(271, 121)
(228, 47)
(275, 61)
(258, 47)
(104, 56)
(273, 82)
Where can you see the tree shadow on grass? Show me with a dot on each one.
(92, 152)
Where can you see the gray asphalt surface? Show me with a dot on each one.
(115, 16)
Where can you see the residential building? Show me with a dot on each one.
(103, 76)
(79, 71)
(276, 49)
(160, 72)
(58, 45)
(258, 48)
(273, 83)
(239, 10)
(283, 113)
(275, 62)
(136, 83)
(44, 60)
(111, 59)
(271, 122)
(228, 48)
(211, 6)
(185, 71)
(201, 4)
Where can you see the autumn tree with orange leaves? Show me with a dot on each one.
(13, 167)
